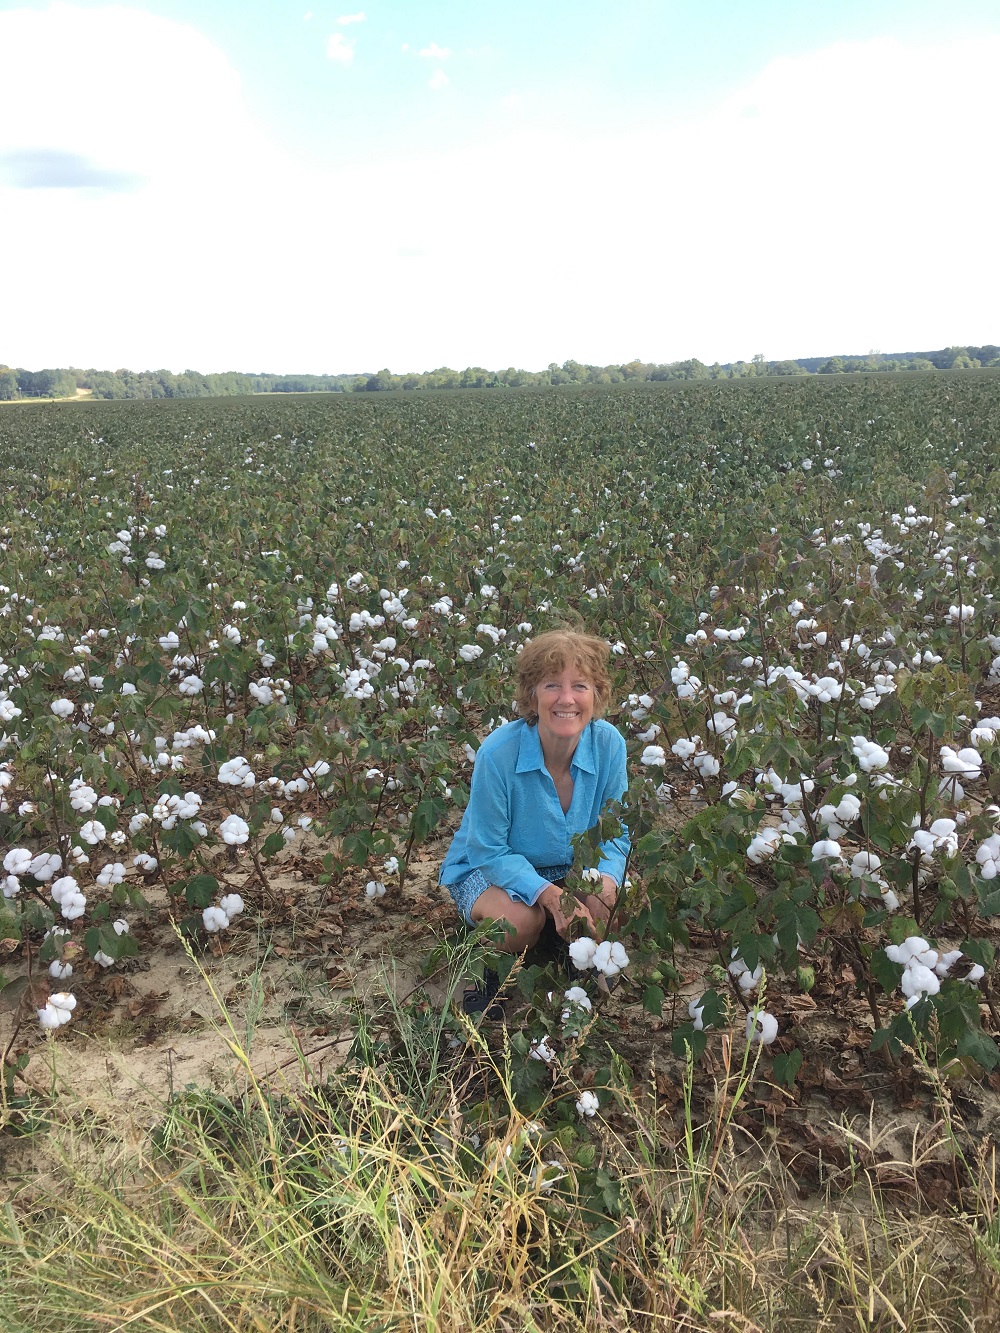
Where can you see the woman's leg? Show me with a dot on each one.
(526, 922)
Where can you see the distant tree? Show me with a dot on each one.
(785, 368)
(8, 383)
(834, 366)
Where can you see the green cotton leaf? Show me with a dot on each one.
(977, 1046)
(273, 844)
(652, 1000)
(795, 923)
(787, 1066)
(200, 891)
(182, 839)
(715, 1009)
(685, 1036)
(885, 971)
(980, 951)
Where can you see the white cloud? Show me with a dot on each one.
(340, 49)
(438, 80)
(104, 86)
(351, 18)
(435, 52)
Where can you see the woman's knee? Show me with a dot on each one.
(525, 920)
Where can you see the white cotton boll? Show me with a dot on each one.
(60, 971)
(722, 724)
(62, 887)
(237, 773)
(214, 919)
(374, 889)
(889, 900)
(587, 1105)
(870, 757)
(541, 1050)
(975, 974)
(865, 863)
(582, 952)
(919, 980)
(232, 905)
(848, 809)
(578, 998)
(653, 756)
(988, 856)
(235, 831)
(57, 1011)
(17, 861)
(696, 1012)
(764, 845)
(968, 763)
(63, 708)
(113, 873)
(749, 981)
(469, 652)
(825, 849)
(11, 886)
(946, 961)
(761, 1026)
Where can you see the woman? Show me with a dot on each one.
(537, 782)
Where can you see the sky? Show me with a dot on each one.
(265, 186)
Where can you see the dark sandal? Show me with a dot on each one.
(482, 999)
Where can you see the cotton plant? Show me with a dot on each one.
(924, 968)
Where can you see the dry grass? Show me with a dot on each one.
(387, 1199)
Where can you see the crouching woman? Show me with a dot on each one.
(537, 782)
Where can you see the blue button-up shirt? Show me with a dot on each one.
(514, 821)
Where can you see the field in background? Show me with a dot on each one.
(333, 593)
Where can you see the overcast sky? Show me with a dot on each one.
(256, 185)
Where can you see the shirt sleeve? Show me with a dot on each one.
(488, 846)
(614, 852)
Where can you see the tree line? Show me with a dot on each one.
(65, 383)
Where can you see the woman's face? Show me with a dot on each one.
(565, 705)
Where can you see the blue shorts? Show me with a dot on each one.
(467, 890)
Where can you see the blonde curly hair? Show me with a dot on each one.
(549, 655)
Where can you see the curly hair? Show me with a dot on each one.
(549, 655)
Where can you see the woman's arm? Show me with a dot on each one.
(488, 836)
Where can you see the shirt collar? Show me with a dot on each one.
(530, 757)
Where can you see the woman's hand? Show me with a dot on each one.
(580, 921)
